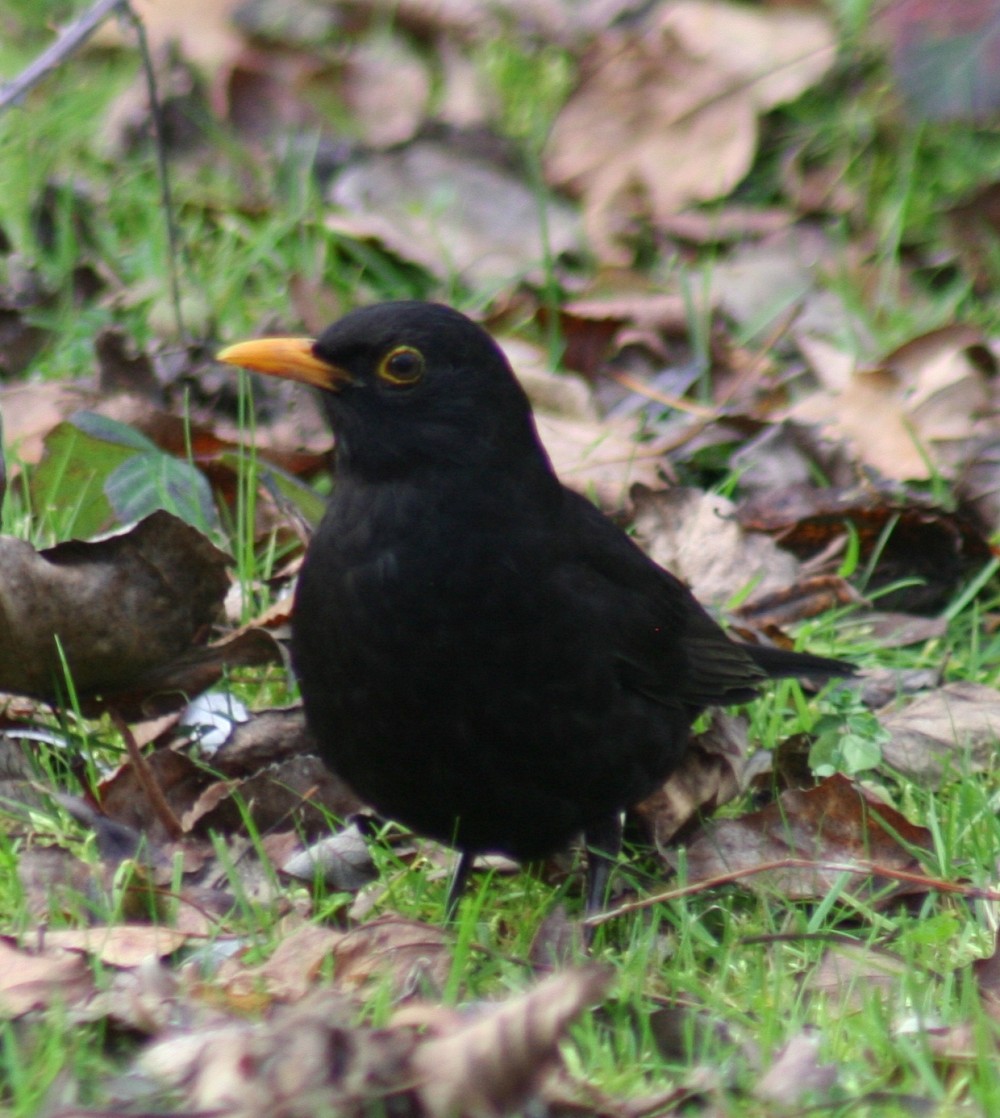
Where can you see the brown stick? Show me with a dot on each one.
(70, 39)
(154, 793)
(856, 869)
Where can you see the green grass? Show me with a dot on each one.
(727, 970)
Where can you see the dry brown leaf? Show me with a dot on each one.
(386, 87)
(551, 21)
(292, 969)
(114, 609)
(596, 456)
(283, 1066)
(950, 732)
(850, 975)
(779, 278)
(797, 1076)
(698, 537)
(666, 115)
(837, 823)
(479, 1068)
(38, 980)
(715, 769)
(411, 954)
(490, 1066)
(119, 945)
(203, 29)
(918, 411)
(456, 215)
(30, 411)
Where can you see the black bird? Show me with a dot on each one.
(482, 654)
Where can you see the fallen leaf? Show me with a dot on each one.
(491, 1065)
(108, 611)
(945, 734)
(458, 216)
(837, 822)
(698, 537)
(796, 1076)
(850, 975)
(914, 414)
(41, 979)
(119, 945)
(716, 767)
(683, 91)
(410, 954)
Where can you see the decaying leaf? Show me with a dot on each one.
(836, 823)
(952, 731)
(105, 612)
(119, 945)
(917, 412)
(850, 975)
(309, 1058)
(456, 215)
(717, 766)
(698, 537)
(41, 979)
(666, 114)
(491, 1065)
(796, 1074)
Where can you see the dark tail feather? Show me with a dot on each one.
(778, 662)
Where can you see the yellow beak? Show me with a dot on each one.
(291, 358)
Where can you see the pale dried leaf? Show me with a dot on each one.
(716, 767)
(797, 1076)
(489, 1067)
(952, 731)
(916, 413)
(203, 29)
(386, 87)
(409, 954)
(683, 92)
(119, 945)
(850, 975)
(598, 456)
(292, 969)
(697, 536)
(456, 215)
(39, 980)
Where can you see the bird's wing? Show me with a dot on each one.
(665, 644)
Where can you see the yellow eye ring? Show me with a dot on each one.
(402, 366)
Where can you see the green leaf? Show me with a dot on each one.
(67, 486)
(111, 431)
(151, 481)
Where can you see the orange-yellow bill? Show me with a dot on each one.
(291, 358)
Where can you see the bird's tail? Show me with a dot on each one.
(778, 662)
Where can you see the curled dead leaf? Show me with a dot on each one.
(107, 611)
(489, 1066)
(666, 114)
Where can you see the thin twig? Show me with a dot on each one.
(855, 869)
(147, 780)
(174, 248)
(70, 39)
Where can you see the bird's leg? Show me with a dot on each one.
(604, 841)
(459, 877)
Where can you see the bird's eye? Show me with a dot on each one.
(402, 366)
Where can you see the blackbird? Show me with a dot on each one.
(482, 654)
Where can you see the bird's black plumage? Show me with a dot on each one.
(482, 654)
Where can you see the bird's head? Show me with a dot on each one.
(407, 384)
